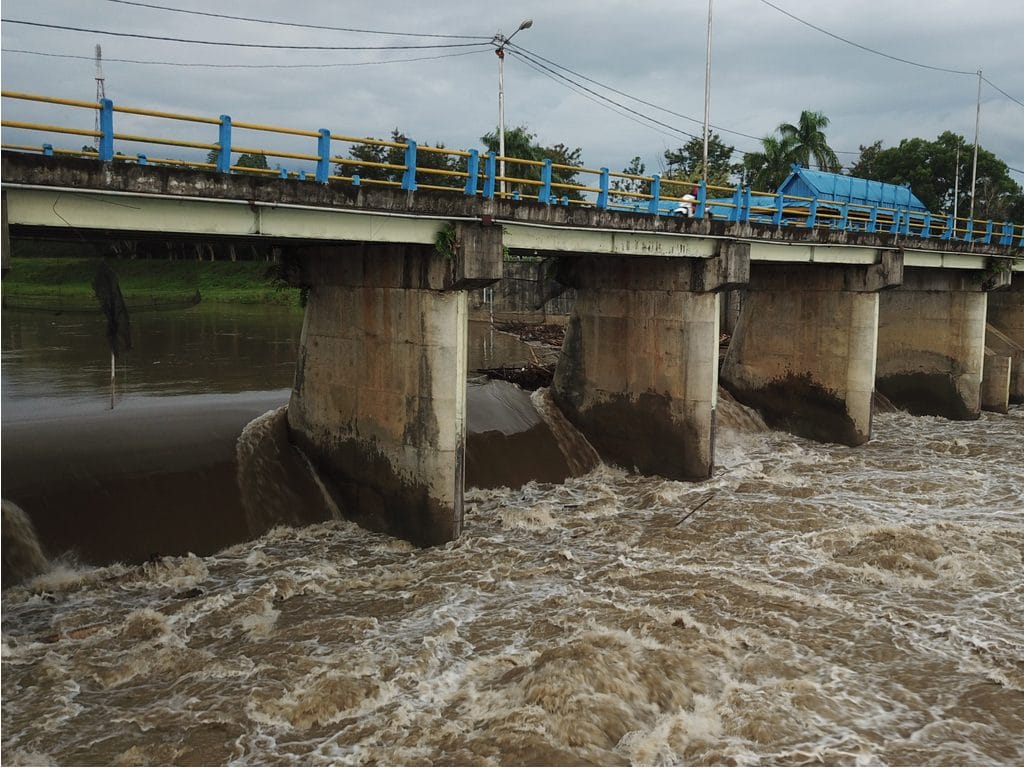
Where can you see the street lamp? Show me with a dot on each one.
(501, 42)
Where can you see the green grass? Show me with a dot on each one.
(66, 283)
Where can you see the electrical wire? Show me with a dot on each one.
(519, 52)
(245, 45)
(293, 24)
(864, 47)
(245, 66)
(796, 18)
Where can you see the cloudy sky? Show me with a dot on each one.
(766, 67)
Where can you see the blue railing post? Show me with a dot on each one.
(142, 160)
(224, 141)
(544, 194)
(988, 232)
(357, 181)
(409, 177)
(812, 213)
(106, 130)
(602, 196)
(926, 225)
(969, 233)
(1006, 237)
(48, 150)
(654, 206)
(844, 216)
(323, 160)
(565, 200)
(283, 174)
(780, 204)
(490, 171)
(737, 201)
(702, 199)
(873, 219)
(895, 228)
(515, 194)
(745, 210)
(472, 172)
(947, 232)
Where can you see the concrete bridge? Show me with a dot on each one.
(935, 324)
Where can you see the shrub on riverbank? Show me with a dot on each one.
(66, 283)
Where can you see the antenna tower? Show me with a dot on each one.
(101, 91)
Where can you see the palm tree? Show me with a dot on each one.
(766, 170)
(807, 140)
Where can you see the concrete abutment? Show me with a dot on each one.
(379, 400)
(638, 373)
(1005, 333)
(931, 342)
(803, 353)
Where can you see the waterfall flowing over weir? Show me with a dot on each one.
(23, 557)
(828, 605)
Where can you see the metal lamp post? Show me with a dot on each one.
(502, 41)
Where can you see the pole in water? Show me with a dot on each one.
(689, 514)
(108, 293)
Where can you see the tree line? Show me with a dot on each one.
(939, 172)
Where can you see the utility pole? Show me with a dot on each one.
(974, 171)
(707, 96)
(101, 90)
(501, 41)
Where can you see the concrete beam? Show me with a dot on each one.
(803, 353)
(931, 342)
(638, 374)
(995, 383)
(379, 398)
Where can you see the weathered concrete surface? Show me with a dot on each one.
(803, 353)
(995, 383)
(1005, 332)
(5, 246)
(638, 374)
(931, 342)
(380, 385)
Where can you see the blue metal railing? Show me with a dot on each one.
(608, 190)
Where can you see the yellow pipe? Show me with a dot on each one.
(442, 172)
(514, 180)
(521, 161)
(48, 128)
(168, 142)
(367, 163)
(273, 129)
(577, 187)
(50, 99)
(167, 115)
(270, 153)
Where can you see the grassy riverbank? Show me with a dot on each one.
(66, 283)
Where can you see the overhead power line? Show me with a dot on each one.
(806, 23)
(294, 24)
(220, 43)
(201, 65)
(842, 39)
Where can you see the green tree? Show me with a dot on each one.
(245, 160)
(687, 162)
(764, 171)
(378, 153)
(521, 143)
(807, 139)
(620, 187)
(931, 170)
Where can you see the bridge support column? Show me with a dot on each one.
(638, 373)
(804, 349)
(379, 398)
(1005, 332)
(931, 342)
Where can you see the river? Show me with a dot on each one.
(808, 604)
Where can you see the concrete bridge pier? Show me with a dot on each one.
(1005, 334)
(803, 353)
(931, 341)
(638, 373)
(379, 398)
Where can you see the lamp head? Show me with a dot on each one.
(526, 24)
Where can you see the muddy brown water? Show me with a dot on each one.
(808, 604)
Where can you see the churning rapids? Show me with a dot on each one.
(809, 604)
